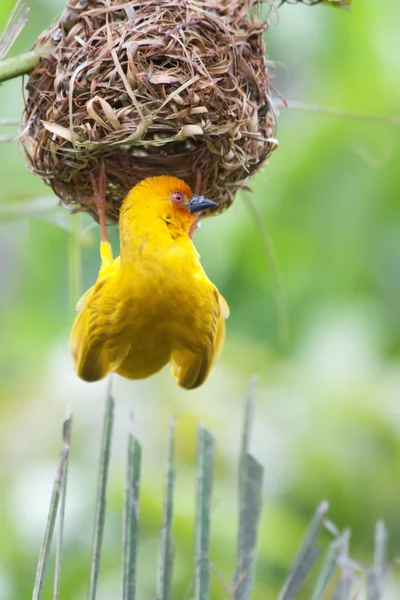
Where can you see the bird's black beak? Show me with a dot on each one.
(198, 203)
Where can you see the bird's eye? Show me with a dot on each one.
(177, 197)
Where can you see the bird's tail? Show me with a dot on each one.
(189, 368)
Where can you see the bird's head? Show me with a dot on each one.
(167, 198)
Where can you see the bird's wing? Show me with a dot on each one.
(107, 268)
(191, 367)
(220, 330)
(96, 341)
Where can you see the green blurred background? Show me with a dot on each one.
(328, 414)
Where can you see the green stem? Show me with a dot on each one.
(22, 64)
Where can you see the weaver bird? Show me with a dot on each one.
(153, 304)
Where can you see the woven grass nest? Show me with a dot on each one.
(149, 87)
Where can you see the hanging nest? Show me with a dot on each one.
(149, 87)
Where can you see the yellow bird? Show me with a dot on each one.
(153, 304)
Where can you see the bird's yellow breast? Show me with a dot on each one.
(165, 291)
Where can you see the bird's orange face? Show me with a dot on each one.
(177, 192)
(169, 198)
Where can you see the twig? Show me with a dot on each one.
(279, 291)
(21, 64)
(335, 112)
(8, 121)
(67, 441)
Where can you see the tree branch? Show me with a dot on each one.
(21, 65)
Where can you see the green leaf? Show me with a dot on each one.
(205, 471)
(131, 519)
(306, 557)
(51, 520)
(166, 547)
(101, 495)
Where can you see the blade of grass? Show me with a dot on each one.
(131, 519)
(245, 447)
(328, 567)
(67, 425)
(242, 577)
(376, 576)
(166, 546)
(51, 520)
(248, 417)
(344, 587)
(249, 523)
(16, 22)
(306, 557)
(205, 471)
(381, 541)
(101, 495)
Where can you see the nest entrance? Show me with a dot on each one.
(124, 169)
(149, 88)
